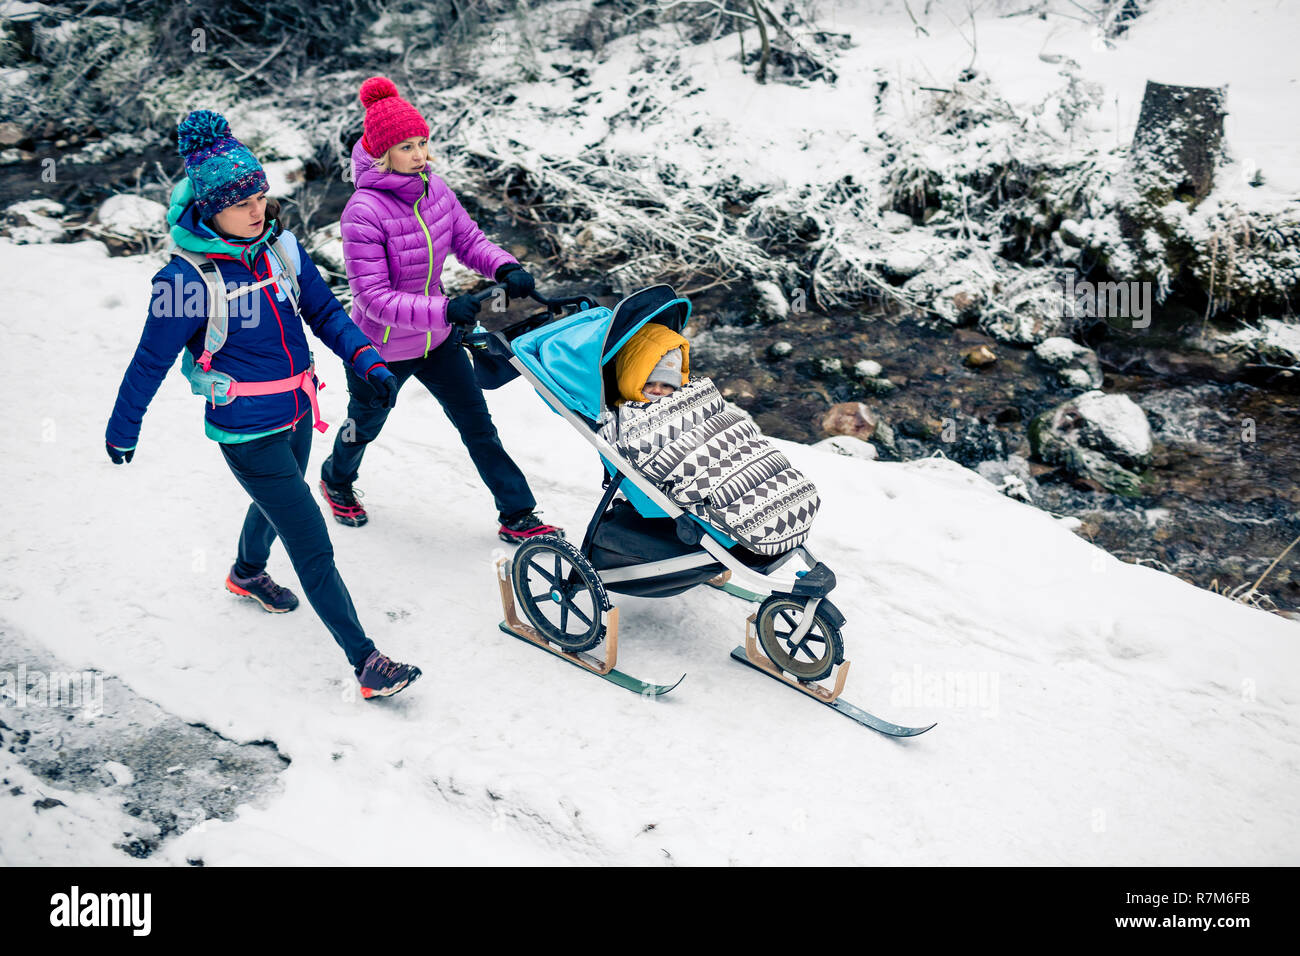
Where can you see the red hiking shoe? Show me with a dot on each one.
(525, 526)
(343, 503)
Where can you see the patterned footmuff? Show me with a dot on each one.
(714, 463)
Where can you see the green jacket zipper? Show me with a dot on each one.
(428, 239)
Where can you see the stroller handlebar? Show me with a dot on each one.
(479, 337)
(575, 302)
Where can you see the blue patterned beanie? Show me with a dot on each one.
(221, 168)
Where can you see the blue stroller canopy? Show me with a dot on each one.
(570, 355)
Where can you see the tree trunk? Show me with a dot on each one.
(1179, 140)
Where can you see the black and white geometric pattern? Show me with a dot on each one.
(714, 463)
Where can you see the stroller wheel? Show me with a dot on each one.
(560, 592)
(812, 657)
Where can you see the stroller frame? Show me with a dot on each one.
(813, 585)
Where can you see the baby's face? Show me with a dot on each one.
(658, 389)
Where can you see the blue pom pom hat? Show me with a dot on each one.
(221, 168)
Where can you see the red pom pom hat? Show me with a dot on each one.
(389, 118)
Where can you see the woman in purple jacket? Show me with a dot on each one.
(398, 228)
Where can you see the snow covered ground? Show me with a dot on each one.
(1090, 711)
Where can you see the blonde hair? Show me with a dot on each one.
(386, 164)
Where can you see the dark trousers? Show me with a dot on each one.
(449, 376)
(271, 470)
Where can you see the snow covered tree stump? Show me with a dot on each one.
(1178, 141)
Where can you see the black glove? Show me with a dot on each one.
(384, 384)
(119, 455)
(519, 284)
(462, 310)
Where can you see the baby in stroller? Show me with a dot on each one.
(707, 455)
(654, 364)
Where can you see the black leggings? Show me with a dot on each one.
(449, 376)
(271, 469)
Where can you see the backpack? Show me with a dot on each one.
(220, 388)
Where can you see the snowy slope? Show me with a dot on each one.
(1089, 711)
(696, 110)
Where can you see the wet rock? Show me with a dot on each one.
(849, 418)
(884, 439)
(878, 386)
(738, 390)
(969, 441)
(779, 350)
(1077, 366)
(979, 357)
(1098, 438)
(11, 134)
(848, 446)
(770, 305)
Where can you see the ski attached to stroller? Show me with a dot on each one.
(563, 595)
(813, 619)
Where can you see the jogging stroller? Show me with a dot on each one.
(643, 543)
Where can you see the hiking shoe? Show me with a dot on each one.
(382, 677)
(342, 500)
(263, 590)
(525, 526)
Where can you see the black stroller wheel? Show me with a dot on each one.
(560, 592)
(811, 658)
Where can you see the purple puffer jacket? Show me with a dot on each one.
(397, 231)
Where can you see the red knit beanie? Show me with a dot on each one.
(389, 118)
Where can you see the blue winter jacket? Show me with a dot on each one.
(266, 340)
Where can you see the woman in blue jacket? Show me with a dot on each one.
(249, 357)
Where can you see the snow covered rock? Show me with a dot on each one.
(283, 176)
(1076, 365)
(325, 246)
(1100, 437)
(905, 263)
(1274, 341)
(770, 305)
(849, 446)
(1031, 313)
(132, 218)
(1010, 476)
(32, 221)
(895, 222)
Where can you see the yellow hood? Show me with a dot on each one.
(637, 359)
